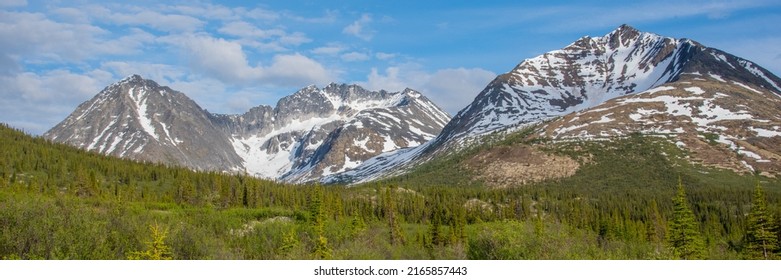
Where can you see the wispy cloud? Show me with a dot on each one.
(384, 56)
(360, 28)
(328, 17)
(451, 88)
(36, 102)
(224, 54)
(584, 16)
(33, 35)
(227, 61)
(149, 18)
(13, 3)
(245, 29)
(355, 56)
(330, 49)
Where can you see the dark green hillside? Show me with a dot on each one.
(57, 202)
(622, 191)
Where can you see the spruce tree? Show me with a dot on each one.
(318, 215)
(290, 241)
(396, 235)
(760, 231)
(684, 236)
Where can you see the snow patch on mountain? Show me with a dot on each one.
(139, 98)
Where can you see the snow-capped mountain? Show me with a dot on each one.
(582, 75)
(589, 72)
(139, 119)
(309, 134)
(317, 132)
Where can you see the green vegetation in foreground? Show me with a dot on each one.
(57, 202)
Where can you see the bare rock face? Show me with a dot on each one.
(139, 119)
(626, 81)
(506, 166)
(311, 133)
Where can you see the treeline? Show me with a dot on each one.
(624, 192)
(57, 202)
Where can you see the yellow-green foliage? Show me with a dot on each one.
(157, 249)
(57, 202)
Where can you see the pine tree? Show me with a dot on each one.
(655, 230)
(357, 225)
(539, 225)
(290, 241)
(317, 210)
(760, 230)
(395, 233)
(684, 236)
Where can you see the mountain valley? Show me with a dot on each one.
(604, 149)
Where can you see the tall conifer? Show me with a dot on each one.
(684, 236)
(760, 232)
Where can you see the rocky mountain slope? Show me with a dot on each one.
(311, 133)
(721, 123)
(139, 119)
(723, 109)
(593, 73)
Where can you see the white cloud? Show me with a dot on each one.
(245, 29)
(360, 28)
(296, 70)
(329, 49)
(71, 14)
(155, 71)
(153, 19)
(355, 56)
(36, 37)
(390, 80)
(259, 14)
(329, 16)
(294, 39)
(13, 3)
(8, 64)
(219, 58)
(226, 61)
(218, 97)
(210, 11)
(384, 56)
(209, 93)
(38, 102)
(206, 11)
(452, 89)
(271, 40)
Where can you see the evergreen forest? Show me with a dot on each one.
(632, 198)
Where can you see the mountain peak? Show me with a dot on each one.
(412, 93)
(626, 27)
(625, 30)
(132, 78)
(132, 81)
(622, 36)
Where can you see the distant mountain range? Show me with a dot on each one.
(725, 110)
(309, 134)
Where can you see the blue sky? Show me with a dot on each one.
(232, 55)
